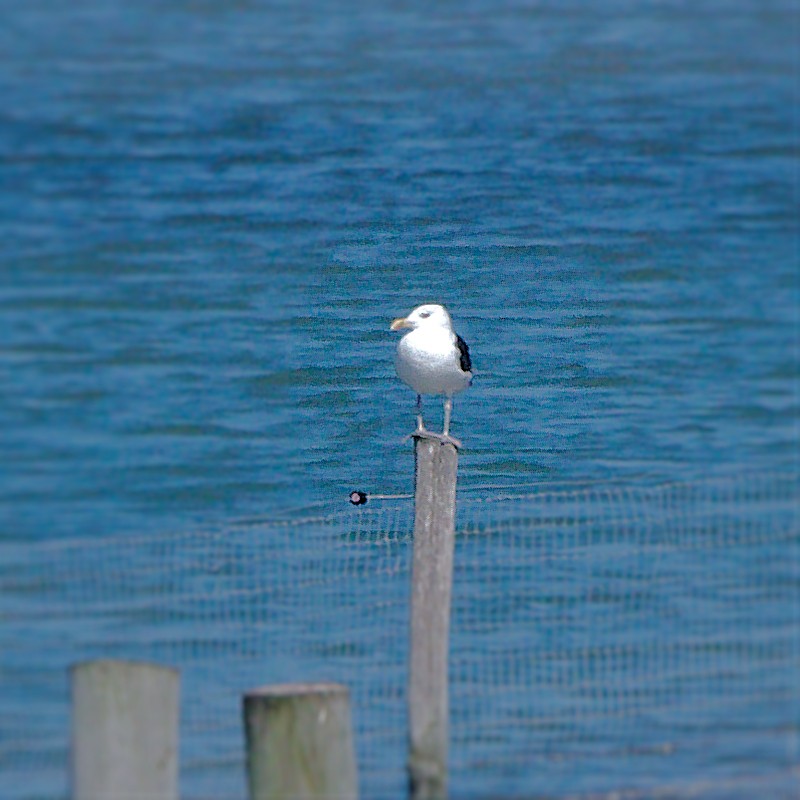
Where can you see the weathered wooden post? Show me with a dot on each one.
(124, 731)
(431, 590)
(299, 740)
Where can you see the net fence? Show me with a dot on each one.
(620, 641)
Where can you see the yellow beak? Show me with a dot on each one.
(399, 323)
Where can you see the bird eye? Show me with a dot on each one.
(424, 314)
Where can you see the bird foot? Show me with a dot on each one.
(420, 432)
(444, 438)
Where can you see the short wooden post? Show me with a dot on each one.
(431, 590)
(124, 731)
(299, 740)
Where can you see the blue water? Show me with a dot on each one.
(210, 212)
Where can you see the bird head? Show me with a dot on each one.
(428, 315)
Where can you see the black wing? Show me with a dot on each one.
(466, 361)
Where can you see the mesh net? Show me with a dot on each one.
(625, 641)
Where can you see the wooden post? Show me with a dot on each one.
(124, 731)
(299, 741)
(431, 590)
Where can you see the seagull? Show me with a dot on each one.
(432, 359)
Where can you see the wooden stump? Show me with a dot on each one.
(300, 743)
(124, 731)
(431, 590)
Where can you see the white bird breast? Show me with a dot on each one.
(429, 363)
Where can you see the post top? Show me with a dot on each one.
(294, 689)
(117, 664)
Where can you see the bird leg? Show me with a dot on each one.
(446, 438)
(420, 431)
(420, 426)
